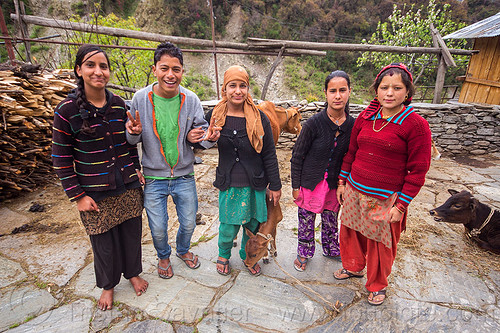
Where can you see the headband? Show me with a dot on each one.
(399, 65)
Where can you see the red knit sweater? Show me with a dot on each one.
(395, 159)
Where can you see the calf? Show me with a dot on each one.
(482, 223)
(258, 243)
(257, 246)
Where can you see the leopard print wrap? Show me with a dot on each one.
(113, 211)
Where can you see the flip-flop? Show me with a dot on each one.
(257, 272)
(165, 276)
(349, 274)
(332, 257)
(192, 259)
(224, 263)
(375, 294)
(302, 262)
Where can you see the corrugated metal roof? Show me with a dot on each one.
(489, 27)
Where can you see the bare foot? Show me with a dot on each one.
(140, 285)
(165, 269)
(106, 300)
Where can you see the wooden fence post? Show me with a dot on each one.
(445, 60)
(22, 26)
(278, 60)
(8, 43)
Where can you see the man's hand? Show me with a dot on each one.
(86, 204)
(195, 135)
(134, 126)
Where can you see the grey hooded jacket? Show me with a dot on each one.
(190, 116)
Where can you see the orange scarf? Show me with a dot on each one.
(254, 127)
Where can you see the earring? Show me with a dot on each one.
(376, 98)
(406, 97)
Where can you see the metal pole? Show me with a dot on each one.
(215, 48)
(8, 44)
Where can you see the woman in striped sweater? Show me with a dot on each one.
(384, 169)
(100, 171)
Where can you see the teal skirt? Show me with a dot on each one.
(238, 205)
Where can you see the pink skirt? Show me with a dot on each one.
(319, 199)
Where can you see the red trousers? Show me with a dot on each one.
(357, 251)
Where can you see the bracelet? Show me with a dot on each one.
(341, 182)
(295, 189)
(399, 206)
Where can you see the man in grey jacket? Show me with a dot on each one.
(169, 120)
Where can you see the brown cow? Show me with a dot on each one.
(282, 120)
(482, 223)
(257, 246)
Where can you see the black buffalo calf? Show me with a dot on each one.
(482, 223)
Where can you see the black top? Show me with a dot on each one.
(235, 149)
(315, 151)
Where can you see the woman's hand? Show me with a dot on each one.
(213, 132)
(86, 204)
(134, 126)
(340, 194)
(395, 215)
(295, 193)
(142, 180)
(274, 196)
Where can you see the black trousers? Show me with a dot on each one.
(118, 251)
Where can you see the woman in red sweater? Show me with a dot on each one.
(384, 169)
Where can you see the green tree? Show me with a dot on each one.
(131, 68)
(413, 29)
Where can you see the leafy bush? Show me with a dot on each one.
(199, 84)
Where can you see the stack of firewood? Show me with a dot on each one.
(27, 102)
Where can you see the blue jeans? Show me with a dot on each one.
(183, 192)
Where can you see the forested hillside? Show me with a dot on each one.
(341, 21)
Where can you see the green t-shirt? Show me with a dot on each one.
(167, 125)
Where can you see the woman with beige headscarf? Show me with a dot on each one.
(247, 165)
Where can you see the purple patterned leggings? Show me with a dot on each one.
(329, 233)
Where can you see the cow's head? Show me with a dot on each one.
(255, 248)
(459, 208)
(293, 121)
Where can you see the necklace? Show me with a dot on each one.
(386, 120)
(336, 120)
(384, 125)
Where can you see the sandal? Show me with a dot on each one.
(225, 264)
(257, 272)
(374, 294)
(341, 271)
(165, 276)
(338, 258)
(302, 262)
(193, 258)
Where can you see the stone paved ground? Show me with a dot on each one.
(440, 282)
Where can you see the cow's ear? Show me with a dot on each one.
(249, 233)
(452, 192)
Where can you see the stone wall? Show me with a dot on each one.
(456, 128)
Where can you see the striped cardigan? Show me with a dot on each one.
(394, 159)
(89, 163)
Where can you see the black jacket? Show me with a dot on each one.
(315, 151)
(262, 169)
